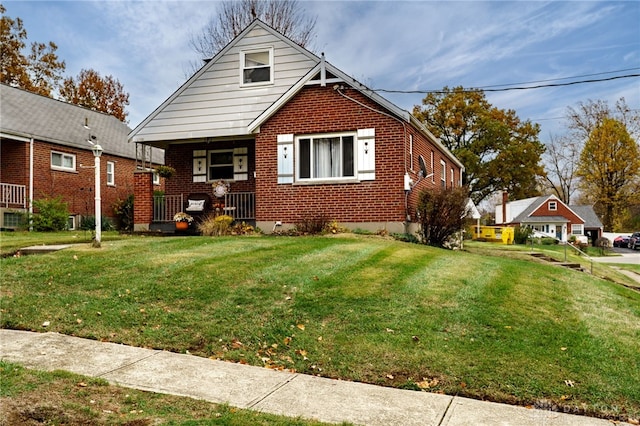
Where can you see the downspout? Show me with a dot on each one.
(30, 183)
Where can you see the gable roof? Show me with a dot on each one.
(589, 216)
(188, 112)
(28, 115)
(534, 204)
(211, 103)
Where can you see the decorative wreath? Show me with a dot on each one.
(220, 188)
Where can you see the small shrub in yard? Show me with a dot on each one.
(123, 210)
(521, 234)
(442, 214)
(52, 214)
(334, 227)
(242, 229)
(88, 223)
(312, 226)
(213, 226)
(548, 241)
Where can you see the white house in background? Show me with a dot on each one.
(550, 216)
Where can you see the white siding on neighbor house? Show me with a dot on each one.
(215, 104)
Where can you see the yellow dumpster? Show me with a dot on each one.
(494, 234)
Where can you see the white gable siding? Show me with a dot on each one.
(215, 104)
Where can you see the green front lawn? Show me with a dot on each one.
(62, 398)
(358, 308)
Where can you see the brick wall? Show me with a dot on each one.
(143, 199)
(180, 157)
(323, 110)
(561, 210)
(75, 187)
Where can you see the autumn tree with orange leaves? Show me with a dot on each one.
(39, 71)
(92, 91)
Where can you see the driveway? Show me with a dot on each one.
(623, 255)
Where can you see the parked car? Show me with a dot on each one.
(634, 241)
(621, 241)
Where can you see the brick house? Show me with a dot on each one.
(44, 153)
(272, 134)
(550, 216)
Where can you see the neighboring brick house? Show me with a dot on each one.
(44, 153)
(550, 216)
(272, 134)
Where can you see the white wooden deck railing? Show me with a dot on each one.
(12, 195)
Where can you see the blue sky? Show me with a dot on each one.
(411, 45)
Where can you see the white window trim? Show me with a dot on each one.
(209, 166)
(554, 204)
(326, 179)
(443, 173)
(243, 53)
(577, 227)
(111, 176)
(62, 168)
(433, 170)
(156, 178)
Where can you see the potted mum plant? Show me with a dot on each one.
(182, 220)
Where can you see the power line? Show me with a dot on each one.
(505, 89)
(563, 78)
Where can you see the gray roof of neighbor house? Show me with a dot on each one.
(28, 115)
(590, 217)
(535, 203)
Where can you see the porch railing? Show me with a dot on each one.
(240, 205)
(12, 195)
(166, 206)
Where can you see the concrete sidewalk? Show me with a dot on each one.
(265, 390)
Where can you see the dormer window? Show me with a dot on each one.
(256, 67)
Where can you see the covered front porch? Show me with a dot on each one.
(239, 205)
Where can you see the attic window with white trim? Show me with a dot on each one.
(256, 67)
(553, 206)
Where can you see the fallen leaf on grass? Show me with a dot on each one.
(569, 383)
(426, 383)
(82, 384)
(300, 326)
(236, 344)
(390, 376)
(287, 340)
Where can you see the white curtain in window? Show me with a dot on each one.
(326, 157)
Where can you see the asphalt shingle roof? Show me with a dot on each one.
(589, 216)
(29, 115)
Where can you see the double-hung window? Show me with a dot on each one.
(111, 173)
(221, 164)
(577, 229)
(326, 157)
(443, 174)
(256, 67)
(63, 161)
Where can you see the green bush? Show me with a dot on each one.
(88, 223)
(548, 241)
(52, 214)
(123, 210)
(521, 234)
